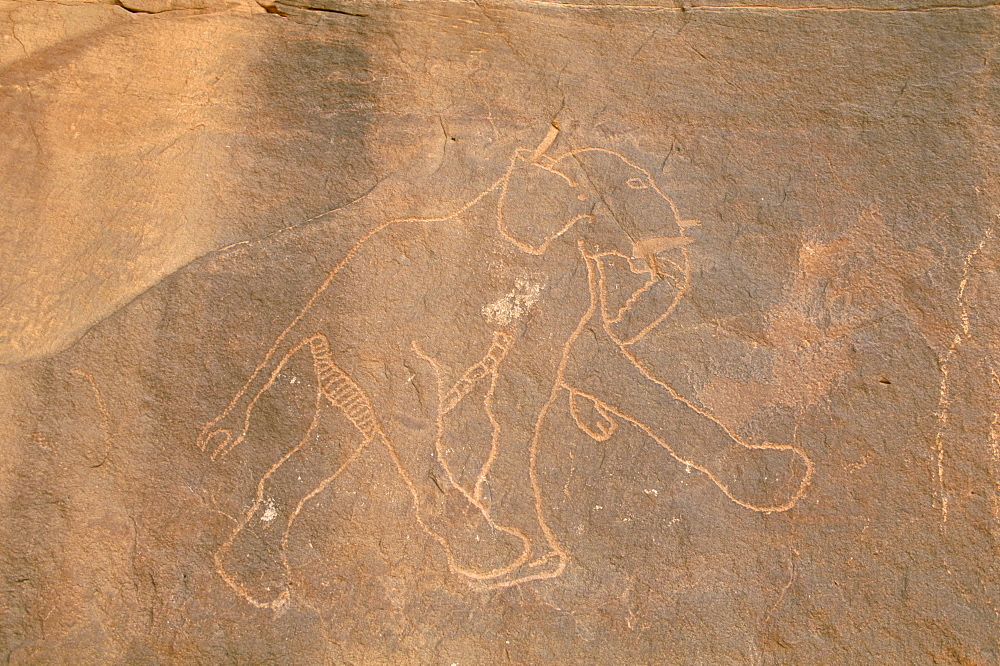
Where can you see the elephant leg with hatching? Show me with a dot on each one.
(253, 560)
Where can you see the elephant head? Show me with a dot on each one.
(626, 224)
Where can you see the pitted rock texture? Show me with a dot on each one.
(522, 331)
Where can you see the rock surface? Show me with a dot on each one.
(523, 331)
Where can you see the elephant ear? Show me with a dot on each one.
(592, 416)
(539, 204)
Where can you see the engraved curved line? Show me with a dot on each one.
(221, 552)
(806, 479)
(102, 409)
(331, 387)
(557, 387)
(229, 443)
(601, 434)
(682, 224)
(446, 402)
(453, 566)
(533, 158)
(681, 292)
(341, 390)
(226, 446)
(528, 248)
(944, 397)
(477, 489)
(557, 550)
(645, 172)
(995, 450)
(487, 366)
(312, 300)
(630, 301)
(356, 407)
(502, 184)
(810, 467)
(320, 347)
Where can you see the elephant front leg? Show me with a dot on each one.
(761, 476)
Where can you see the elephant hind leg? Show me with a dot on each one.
(254, 559)
(446, 480)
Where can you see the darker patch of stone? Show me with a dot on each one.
(135, 9)
(350, 8)
(281, 9)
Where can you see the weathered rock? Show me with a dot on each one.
(505, 331)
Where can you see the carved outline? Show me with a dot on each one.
(449, 398)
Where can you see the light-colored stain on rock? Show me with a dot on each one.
(514, 305)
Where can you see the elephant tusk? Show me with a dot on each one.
(546, 143)
(650, 246)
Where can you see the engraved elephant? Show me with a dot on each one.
(481, 320)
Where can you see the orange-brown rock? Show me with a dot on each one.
(528, 331)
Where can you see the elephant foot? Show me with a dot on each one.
(769, 479)
(476, 546)
(252, 560)
(548, 566)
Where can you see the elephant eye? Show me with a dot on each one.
(637, 183)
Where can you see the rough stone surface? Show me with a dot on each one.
(533, 332)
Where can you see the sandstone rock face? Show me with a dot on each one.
(526, 331)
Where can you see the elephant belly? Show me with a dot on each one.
(420, 306)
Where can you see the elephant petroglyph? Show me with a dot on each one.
(493, 311)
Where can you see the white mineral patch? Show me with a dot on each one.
(270, 513)
(514, 305)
